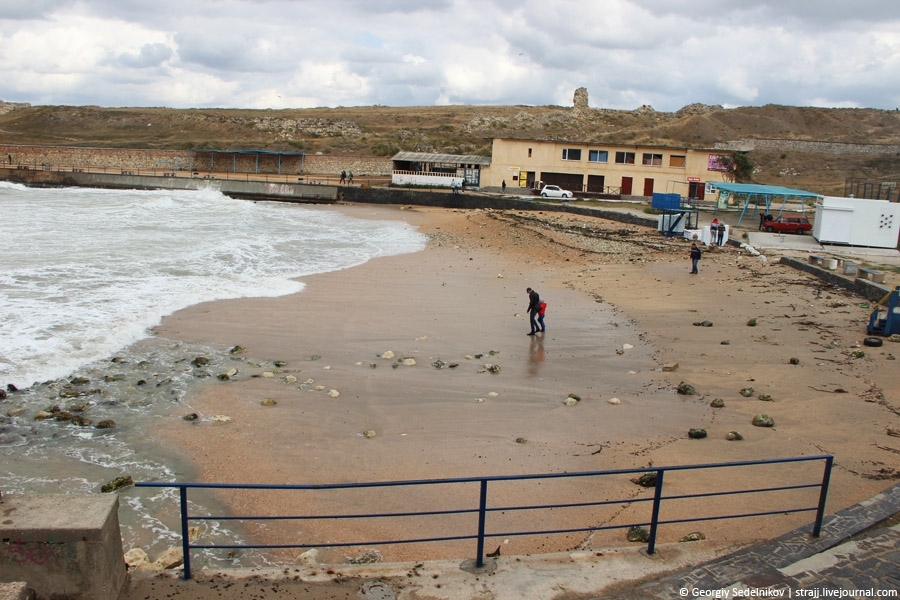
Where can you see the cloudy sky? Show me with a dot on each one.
(305, 53)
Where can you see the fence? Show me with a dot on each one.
(483, 509)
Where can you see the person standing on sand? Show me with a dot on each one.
(350, 178)
(721, 238)
(534, 306)
(713, 231)
(695, 258)
(541, 312)
(343, 177)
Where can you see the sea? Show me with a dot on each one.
(85, 275)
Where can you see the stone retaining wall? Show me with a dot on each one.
(873, 292)
(816, 147)
(144, 160)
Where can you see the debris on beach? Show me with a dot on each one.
(191, 416)
(686, 389)
(369, 433)
(763, 421)
(647, 480)
(268, 374)
(268, 402)
(334, 393)
(313, 357)
(221, 418)
(733, 436)
(387, 355)
(693, 537)
(747, 392)
(290, 379)
(697, 434)
(614, 401)
(117, 484)
(237, 350)
(409, 362)
(717, 403)
(636, 533)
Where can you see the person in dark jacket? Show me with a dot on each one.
(534, 307)
(695, 258)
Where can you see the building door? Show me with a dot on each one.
(696, 190)
(626, 186)
(648, 186)
(596, 184)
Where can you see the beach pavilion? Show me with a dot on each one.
(765, 195)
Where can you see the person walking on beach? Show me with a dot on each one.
(695, 258)
(350, 178)
(534, 306)
(343, 177)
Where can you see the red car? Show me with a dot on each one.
(788, 225)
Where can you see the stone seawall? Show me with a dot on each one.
(811, 146)
(872, 292)
(158, 161)
(262, 190)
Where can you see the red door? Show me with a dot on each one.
(626, 186)
(648, 187)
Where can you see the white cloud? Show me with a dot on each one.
(277, 53)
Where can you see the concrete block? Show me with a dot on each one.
(63, 546)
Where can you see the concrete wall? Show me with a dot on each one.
(118, 159)
(747, 144)
(298, 192)
(63, 545)
(473, 201)
(872, 292)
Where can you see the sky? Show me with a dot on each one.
(313, 53)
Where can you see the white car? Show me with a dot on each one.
(554, 191)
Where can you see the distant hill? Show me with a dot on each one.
(383, 131)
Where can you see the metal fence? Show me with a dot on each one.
(479, 511)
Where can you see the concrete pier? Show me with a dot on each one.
(63, 546)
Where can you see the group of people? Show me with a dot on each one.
(346, 178)
(456, 187)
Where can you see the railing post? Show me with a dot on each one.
(823, 493)
(185, 533)
(654, 517)
(482, 514)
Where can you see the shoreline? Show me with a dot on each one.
(464, 295)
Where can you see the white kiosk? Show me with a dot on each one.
(857, 222)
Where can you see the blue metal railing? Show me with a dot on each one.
(483, 509)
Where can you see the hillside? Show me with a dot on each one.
(383, 131)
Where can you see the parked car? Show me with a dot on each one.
(554, 191)
(788, 225)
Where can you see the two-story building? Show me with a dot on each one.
(626, 170)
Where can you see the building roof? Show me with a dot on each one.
(755, 189)
(273, 152)
(431, 157)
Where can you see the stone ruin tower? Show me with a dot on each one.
(580, 101)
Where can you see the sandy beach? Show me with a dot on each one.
(621, 307)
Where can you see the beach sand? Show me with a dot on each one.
(620, 309)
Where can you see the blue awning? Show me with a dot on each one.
(766, 193)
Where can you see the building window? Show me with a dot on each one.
(651, 160)
(600, 156)
(677, 160)
(529, 153)
(624, 158)
(571, 154)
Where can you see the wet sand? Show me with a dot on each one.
(619, 311)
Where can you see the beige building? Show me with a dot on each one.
(613, 169)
